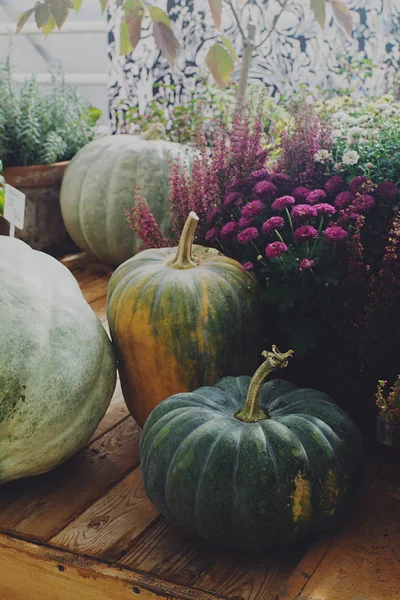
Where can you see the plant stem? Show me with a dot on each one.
(252, 411)
(274, 24)
(234, 12)
(290, 220)
(248, 47)
(184, 259)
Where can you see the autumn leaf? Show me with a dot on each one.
(42, 14)
(166, 42)
(158, 15)
(125, 45)
(216, 11)
(230, 47)
(103, 5)
(220, 63)
(119, 3)
(134, 13)
(23, 18)
(77, 4)
(59, 10)
(319, 8)
(343, 15)
(49, 26)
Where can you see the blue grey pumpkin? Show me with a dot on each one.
(282, 468)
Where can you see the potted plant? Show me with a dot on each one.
(39, 134)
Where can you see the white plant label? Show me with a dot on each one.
(14, 208)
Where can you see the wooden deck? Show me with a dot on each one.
(87, 531)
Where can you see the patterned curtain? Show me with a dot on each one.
(298, 53)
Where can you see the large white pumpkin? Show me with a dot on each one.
(98, 188)
(57, 366)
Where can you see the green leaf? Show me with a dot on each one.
(103, 5)
(166, 42)
(49, 26)
(220, 63)
(42, 14)
(216, 11)
(343, 15)
(77, 4)
(119, 3)
(59, 10)
(230, 47)
(125, 45)
(319, 8)
(23, 18)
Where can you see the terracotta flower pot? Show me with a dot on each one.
(43, 228)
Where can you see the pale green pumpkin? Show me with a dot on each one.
(98, 189)
(57, 366)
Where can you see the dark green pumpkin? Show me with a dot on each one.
(282, 469)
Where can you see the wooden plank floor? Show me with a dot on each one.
(87, 531)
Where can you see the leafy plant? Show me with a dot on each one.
(221, 56)
(2, 189)
(41, 129)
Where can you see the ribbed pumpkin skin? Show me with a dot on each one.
(57, 366)
(98, 188)
(175, 330)
(251, 485)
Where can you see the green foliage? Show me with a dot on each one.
(2, 188)
(41, 129)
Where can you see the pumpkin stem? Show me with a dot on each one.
(252, 410)
(184, 258)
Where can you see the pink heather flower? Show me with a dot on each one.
(358, 184)
(248, 266)
(213, 215)
(282, 202)
(343, 200)
(306, 264)
(363, 204)
(245, 236)
(333, 185)
(252, 209)
(305, 233)
(335, 234)
(388, 191)
(245, 222)
(275, 249)
(316, 196)
(324, 209)
(212, 235)
(301, 212)
(260, 175)
(265, 190)
(232, 199)
(271, 224)
(229, 230)
(284, 182)
(300, 193)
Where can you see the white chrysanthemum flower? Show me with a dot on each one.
(369, 165)
(322, 156)
(336, 133)
(351, 157)
(354, 134)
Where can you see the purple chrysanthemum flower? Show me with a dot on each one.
(271, 224)
(229, 230)
(388, 191)
(324, 209)
(300, 193)
(282, 202)
(252, 209)
(275, 249)
(248, 266)
(364, 203)
(316, 196)
(358, 184)
(305, 233)
(282, 181)
(265, 190)
(245, 222)
(335, 233)
(212, 235)
(260, 175)
(343, 200)
(333, 185)
(301, 212)
(245, 236)
(232, 199)
(306, 264)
